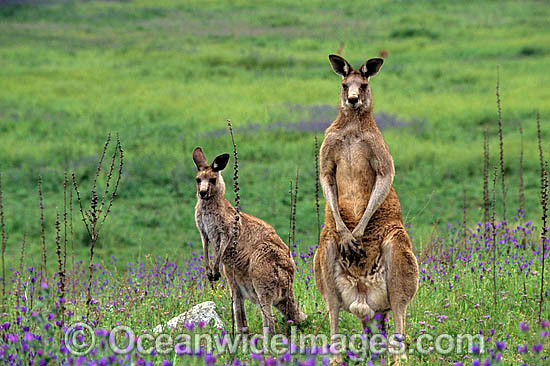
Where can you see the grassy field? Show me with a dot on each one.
(467, 288)
(167, 74)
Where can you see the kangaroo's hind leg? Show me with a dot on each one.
(289, 307)
(266, 307)
(323, 267)
(266, 289)
(238, 303)
(402, 278)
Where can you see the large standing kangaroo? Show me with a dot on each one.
(364, 263)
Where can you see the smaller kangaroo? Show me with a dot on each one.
(259, 267)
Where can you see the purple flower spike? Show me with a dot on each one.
(524, 326)
(522, 349)
(537, 348)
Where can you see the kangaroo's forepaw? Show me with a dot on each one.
(348, 245)
(213, 276)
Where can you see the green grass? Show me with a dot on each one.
(456, 297)
(167, 74)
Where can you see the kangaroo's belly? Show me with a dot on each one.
(248, 292)
(238, 277)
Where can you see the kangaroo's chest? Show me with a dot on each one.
(352, 159)
(354, 175)
(212, 226)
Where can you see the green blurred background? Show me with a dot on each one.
(167, 74)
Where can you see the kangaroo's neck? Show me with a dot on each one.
(361, 119)
(217, 203)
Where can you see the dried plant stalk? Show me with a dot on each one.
(290, 193)
(71, 227)
(117, 183)
(544, 203)
(486, 204)
(294, 203)
(65, 184)
(541, 154)
(60, 260)
(21, 266)
(43, 273)
(235, 185)
(521, 184)
(95, 217)
(317, 190)
(494, 237)
(501, 147)
(237, 213)
(545, 188)
(464, 215)
(544, 191)
(4, 238)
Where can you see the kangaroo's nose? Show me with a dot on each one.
(202, 194)
(353, 100)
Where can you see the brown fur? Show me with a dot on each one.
(364, 263)
(259, 267)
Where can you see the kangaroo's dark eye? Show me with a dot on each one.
(345, 86)
(198, 181)
(213, 180)
(364, 86)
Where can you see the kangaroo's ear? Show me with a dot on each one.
(371, 67)
(339, 65)
(220, 162)
(199, 158)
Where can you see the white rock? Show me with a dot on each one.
(205, 312)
